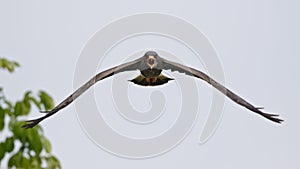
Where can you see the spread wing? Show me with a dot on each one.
(133, 65)
(173, 66)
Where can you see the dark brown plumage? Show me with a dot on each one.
(151, 66)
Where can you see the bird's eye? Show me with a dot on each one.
(151, 61)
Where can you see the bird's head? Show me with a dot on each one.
(151, 57)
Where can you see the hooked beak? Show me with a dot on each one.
(151, 61)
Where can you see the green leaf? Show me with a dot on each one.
(46, 144)
(15, 160)
(36, 103)
(40, 129)
(2, 150)
(19, 108)
(9, 144)
(34, 140)
(34, 148)
(53, 163)
(46, 100)
(25, 163)
(26, 108)
(22, 108)
(2, 118)
(19, 132)
(28, 137)
(9, 104)
(3, 63)
(8, 65)
(10, 68)
(16, 64)
(27, 96)
(35, 162)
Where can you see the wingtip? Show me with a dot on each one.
(273, 117)
(280, 121)
(32, 123)
(28, 125)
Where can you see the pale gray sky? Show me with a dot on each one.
(258, 46)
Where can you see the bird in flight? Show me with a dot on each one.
(151, 66)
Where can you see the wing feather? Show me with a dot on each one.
(133, 65)
(173, 66)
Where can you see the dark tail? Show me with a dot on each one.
(160, 80)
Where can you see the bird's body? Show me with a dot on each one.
(151, 66)
(149, 73)
(151, 77)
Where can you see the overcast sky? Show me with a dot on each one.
(258, 46)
